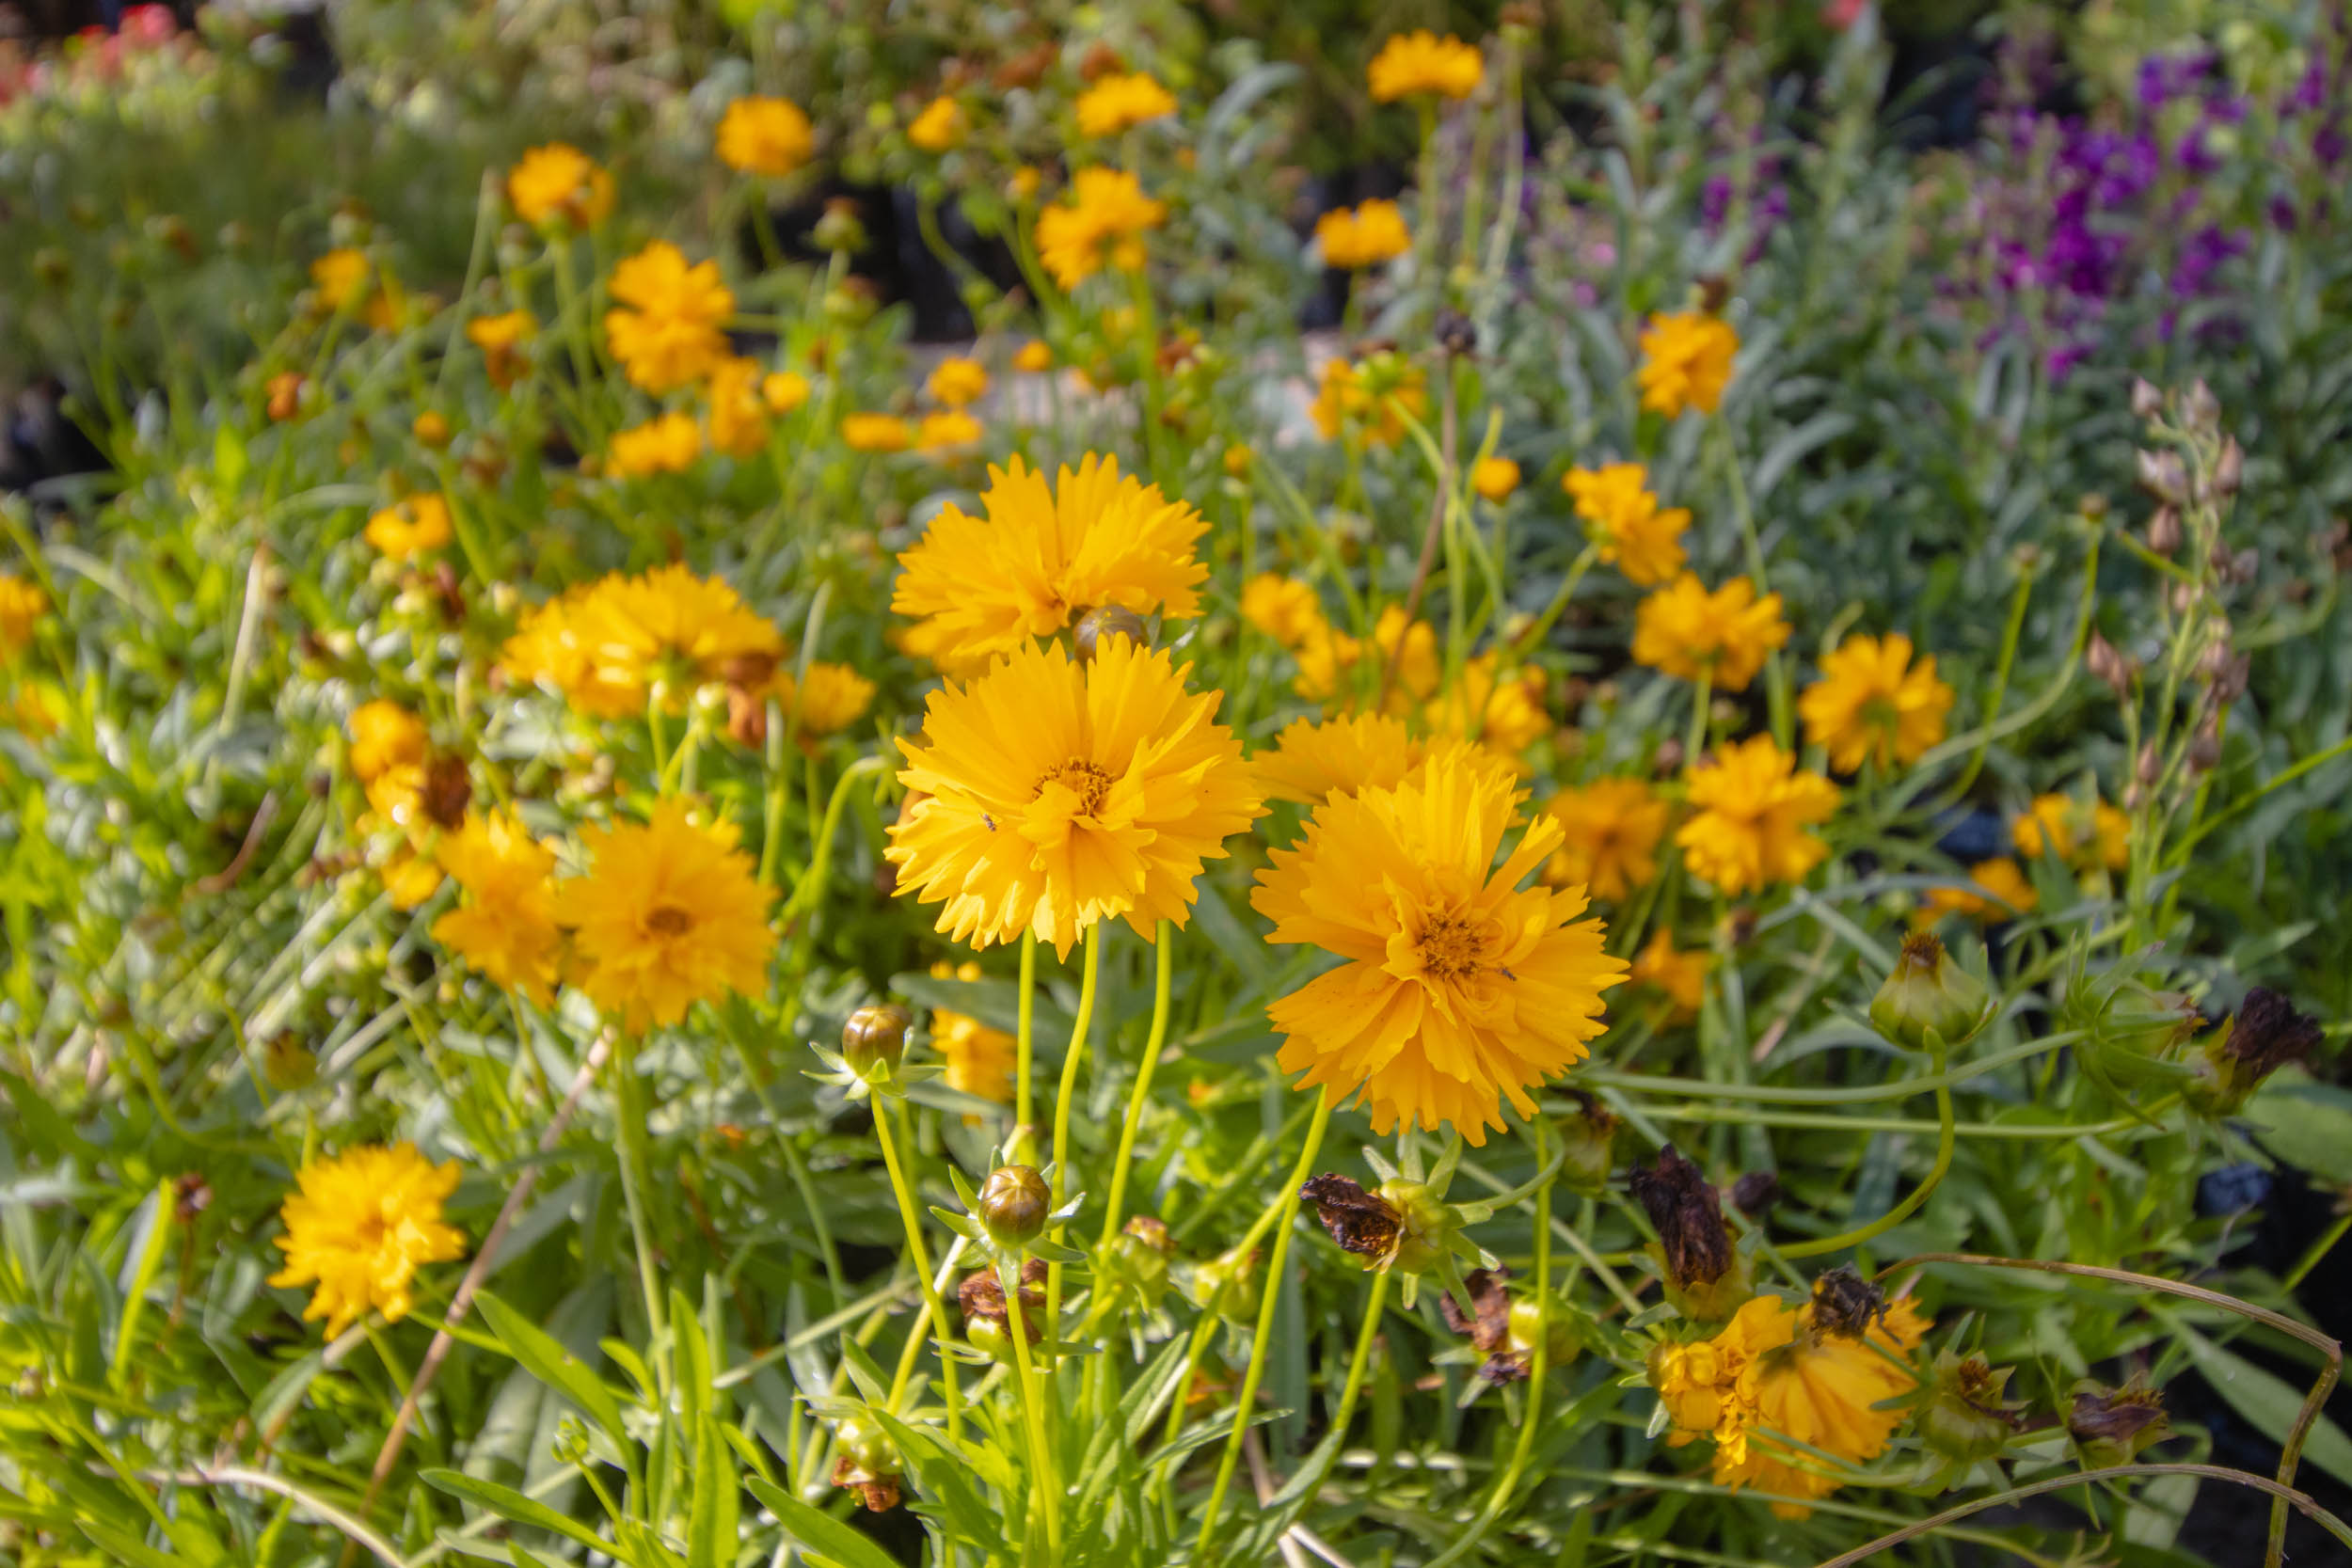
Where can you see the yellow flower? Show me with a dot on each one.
(604, 647)
(1507, 714)
(2010, 895)
(671, 328)
(1610, 830)
(940, 128)
(342, 278)
(1631, 531)
(1457, 991)
(506, 927)
(1314, 760)
(1686, 362)
(736, 422)
(1043, 557)
(1368, 401)
(666, 444)
(1118, 101)
(551, 647)
(1688, 632)
(1101, 223)
(1872, 703)
(358, 1225)
(979, 1060)
(408, 876)
(1063, 794)
(947, 431)
(1752, 809)
(957, 382)
(418, 524)
(765, 135)
(1680, 976)
(1283, 607)
(783, 392)
(1327, 660)
(1362, 236)
(875, 432)
(1495, 478)
(831, 697)
(2059, 823)
(1422, 62)
(22, 606)
(1035, 357)
(669, 914)
(557, 183)
(501, 338)
(384, 737)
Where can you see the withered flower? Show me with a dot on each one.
(1689, 1217)
(1487, 1325)
(1965, 1417)
(982, 1297)
(2112, 1425)
(1845, 1305)
(1362, 1223)
(2266, 1035)
(1757, 1194)
(447, 789)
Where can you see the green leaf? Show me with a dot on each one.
(712, 1518)
(821, 1534)
(2270, 1403)
(127, 1548)
(229, 458)
(513, 1506)
(551, 1364)
(2306, 1124)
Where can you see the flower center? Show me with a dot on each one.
(1090, 783)
(669, 920)
(1451, 947)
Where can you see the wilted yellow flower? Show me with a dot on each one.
(2059, 823)
(947, 431)
(672, 328)
(1043, 556)
(828, 700)
(1063, 794)
(1118, 101)
(501, 338)
(410, 528)
(979, 1060)
(667, 443)
(957, 382)
(783, 392)
(669, 914)
(1872, 701)
(1368, 401)
(1422, 62)
(940, 128)
(1688, 633)
(2010, 895)
(1035, 357)
(358, 1227)
(1686, 362)
(1752, 808)
(1495, 478)
(1630, 530)
(506, 926)
(1610, 830)
(765, 135)
(1101, 223)
(875, 432)
(22, 606)
(1362, 236)
(1680, 976)
(557, 183)
(1459, 990)
(1284, 608)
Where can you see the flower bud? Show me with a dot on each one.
(875, 1036)
(1965, 1417)
(2162, 475)
(1014, 1205)
(1929, 1002)
(2110, 665)
(431, 428)
(1425, 1226)
(868, 1464)
(1102, 621)
(2147, 401)
(2200, 409)
(2164, 530)
(2229, 470)
(2110, 1426)
(2265, 1035)
(1588, 1139)
(1148, 1231)
(2204, 747)
(840, 229)
(981, 1296)
(52, 267)
(1226, 1286)
(1757, 1194)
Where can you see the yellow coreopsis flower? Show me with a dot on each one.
(1121, 100)
(1629, 526)
(1872, 703)
(667, 443)
(671, 913)
(1420, 62)
(1688, 633)
(2059, 825)
(554, 645)
(957, 382)
(1505, 713)
(385, 739)
(765, 135)
(1610, 830)
(2005, 894)
(1752, 808)
(669, 327)
(360, 1224)
(783, 392)
(1035, 357)
(669, 624)
(875, 432)
(1362, 236)
(1285, 608)
(1043, 556)
(1686, 362)
(736, 422)
(1063, 794)
(1368, 401)
(979, 1060)
(1313, 760)
(506, 925)
(411, 527)
(1495, 478)
(1101, 223)
(501, 338)
(344, 280)
(940, 128)
(22, 606)
(828, 700)
(1328, 661)
(559, 184)
(1679, 974)
(1459, 990)
(950, 430)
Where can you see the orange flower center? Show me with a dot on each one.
(670, 921)
(1090, 782)
(1452, 947)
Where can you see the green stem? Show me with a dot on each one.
(635, 1177)
(1900, 1088)
(1142, 1090)
(1043, 1469)
(1533, 637)
(2000, 682)
(931, 1304)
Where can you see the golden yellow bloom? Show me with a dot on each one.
(670, 330)
(430, 428)
(1329, 659)
(940, 128)
(875, 432)
(831, 697)
(1752, 809)
(765, 135)
(360, 1224)
(957, 382)
(1506, 714)
(342, 278)
(783, 391)
(1362, 236)
(979, 1060)
(1688, 633)
(1043, 557)
(501, 338)
(551, 647)
(1314, 760)
(22, 606)
(1495, 478)
(1872, 701)
(1686, 362)
(1680, 976)
(411, 527)
(506, 925)
(1422, 62)
(1459, 989)
(603, 647)
(2059, 823)
(1035, 357)
(670, 914)
(1063, 794)
(947, 431)
(1101, 223)
(408, 876)
(1632, 532)
(35, 709)
(1118, 101)
(737, 421)
(386, 737)
(667, 443)
(1368, 401)
(557, 183)
(1610, 830)
(2010, 895)
(1284, 608)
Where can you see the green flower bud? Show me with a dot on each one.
(1425, 1226)
(1106, 621)
(1929, 994)
(866, 1462)
(1014, 1205)
(875, 1036)
(1588, 1139)
(2110, 1426)
(1963, 1418)
(1562, 1342)
(1226, 1285)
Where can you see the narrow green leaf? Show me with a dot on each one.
(513, 1506)
(547, 1359)
(823, 1536)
